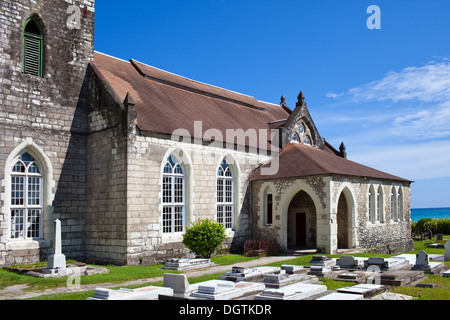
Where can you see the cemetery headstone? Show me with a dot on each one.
(447, 251)
(56, 262)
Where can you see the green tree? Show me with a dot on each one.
(204, 237)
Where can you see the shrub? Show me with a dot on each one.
(204, 237)
(435, 225)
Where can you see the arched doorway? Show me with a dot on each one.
(345, 223)
(302, 225)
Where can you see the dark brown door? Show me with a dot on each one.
(300, 229)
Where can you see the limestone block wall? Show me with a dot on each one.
(379, 234)
(339, 224)
(146, 157)
(47, 117)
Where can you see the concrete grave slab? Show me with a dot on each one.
(209, 290)
(248, 274)
(401, 277)
(341, 296)
(298, 291)
(187, 264)
(146, 293)
(367, 290)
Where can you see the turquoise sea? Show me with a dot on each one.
(436, 213)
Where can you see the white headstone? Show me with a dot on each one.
(178, 282)
(447, 251)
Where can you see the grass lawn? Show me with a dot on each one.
(118, 275)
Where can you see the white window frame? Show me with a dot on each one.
(400, 205)
(27, 207)
(371, 205)
(393, 205)
(170, 225)
(225, 209)
(266, 208)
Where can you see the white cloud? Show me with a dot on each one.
(429, 83)
(334, 95)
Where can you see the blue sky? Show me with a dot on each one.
(384, 92)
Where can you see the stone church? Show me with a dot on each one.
(127, 156)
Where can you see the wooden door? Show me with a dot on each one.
(300, 229)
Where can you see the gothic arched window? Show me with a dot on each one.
(26, 198)
(225, 195)
(173, 196)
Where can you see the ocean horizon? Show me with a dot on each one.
(435, 213)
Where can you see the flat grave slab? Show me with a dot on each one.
(255, 274)
(145, 293)
(401, 277)
(283, 279)
(298, 291)
(356, 276)
(366, 290)
(341, 296)
(225, 290)
(186, 264)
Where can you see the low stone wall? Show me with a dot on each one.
(397, 247)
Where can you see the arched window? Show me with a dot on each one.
(393, 206)
(268, 207)
(173, 196)
(33, 48)
(225, 195)
(307, 141)
(371, 204)
(295, 138)
(379, 216)
(26, 198)
(400, 204)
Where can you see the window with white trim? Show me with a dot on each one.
(26, 199)
(393, 206)
(173, 196)
(379, 216)
(400, 204)
(371, 205)
(225, 195)
(269, 208)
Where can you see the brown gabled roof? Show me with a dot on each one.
(298, 160)
(166, 102)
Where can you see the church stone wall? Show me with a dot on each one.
(47, 115)
(146, 157)
(385, 236)
(339, 224)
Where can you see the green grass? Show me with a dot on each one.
(119, 275)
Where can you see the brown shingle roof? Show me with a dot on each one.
(298, 160)
(166, 102)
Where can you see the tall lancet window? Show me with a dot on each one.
(33, 48)
(225, 195)
(173, 196)
(26, 199)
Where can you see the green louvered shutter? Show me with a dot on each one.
(33, 49)
(33, 53)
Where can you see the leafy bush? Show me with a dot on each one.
(435, 225)
(204, 237)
